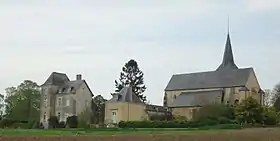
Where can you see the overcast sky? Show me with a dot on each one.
(96, 38)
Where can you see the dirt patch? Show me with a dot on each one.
(266, 134)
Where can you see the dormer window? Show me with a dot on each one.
(61, 90)
(72, 89)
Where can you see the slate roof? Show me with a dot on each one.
(75, 84)
(226, 75)
(62, 80)
(56, 78)
(211, 79)
(228, 59)
(194, 99)
(125, 95)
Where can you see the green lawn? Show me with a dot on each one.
(217, 128)
(97, 131)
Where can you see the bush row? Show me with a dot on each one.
(71, 122)
(6, 122)
(174, 123)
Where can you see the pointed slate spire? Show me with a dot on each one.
(228, 61)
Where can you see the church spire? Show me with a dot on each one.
(228, 60)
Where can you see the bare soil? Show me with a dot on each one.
(257, 134)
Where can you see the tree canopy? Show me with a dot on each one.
(2, 105)
(276, 93)
(23, 102)
(98, 104)
(132, 76)
(276, 97)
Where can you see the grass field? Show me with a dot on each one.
(256, 134)
(115, 131)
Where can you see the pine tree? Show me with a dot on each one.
(132, 76)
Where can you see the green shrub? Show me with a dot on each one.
(40, 125)
(214, 111)
(249, 112)
(271, 117)
(165, 116)
(83, 124)
(61, 124)
(7, 122)
(180, 117)
(72, 122)
(209, 124)
(167, 124)
(224, 120)
(53, 122)
(157, 117)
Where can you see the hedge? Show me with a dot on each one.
(11, 123)
(173, 124)
(72, 122)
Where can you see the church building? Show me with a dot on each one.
(228, 84)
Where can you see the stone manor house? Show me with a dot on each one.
(62, 97)
(183, 95)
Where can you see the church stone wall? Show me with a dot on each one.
(254, 87)
(231, 96)
(171, 95)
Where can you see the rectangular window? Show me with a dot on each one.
(45, 116)
(59, 101)
(114, 116)
(45, 102)
(58, 116)
(66, 115)
(67, 102)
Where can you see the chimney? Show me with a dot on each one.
(78, 77)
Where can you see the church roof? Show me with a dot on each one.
(190, 99)
(211, 79)
(227, 75)
(228, 59)
(125, 95)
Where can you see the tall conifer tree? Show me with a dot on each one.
(132, 76)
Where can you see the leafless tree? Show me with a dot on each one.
(275, 93)
(267, 97)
